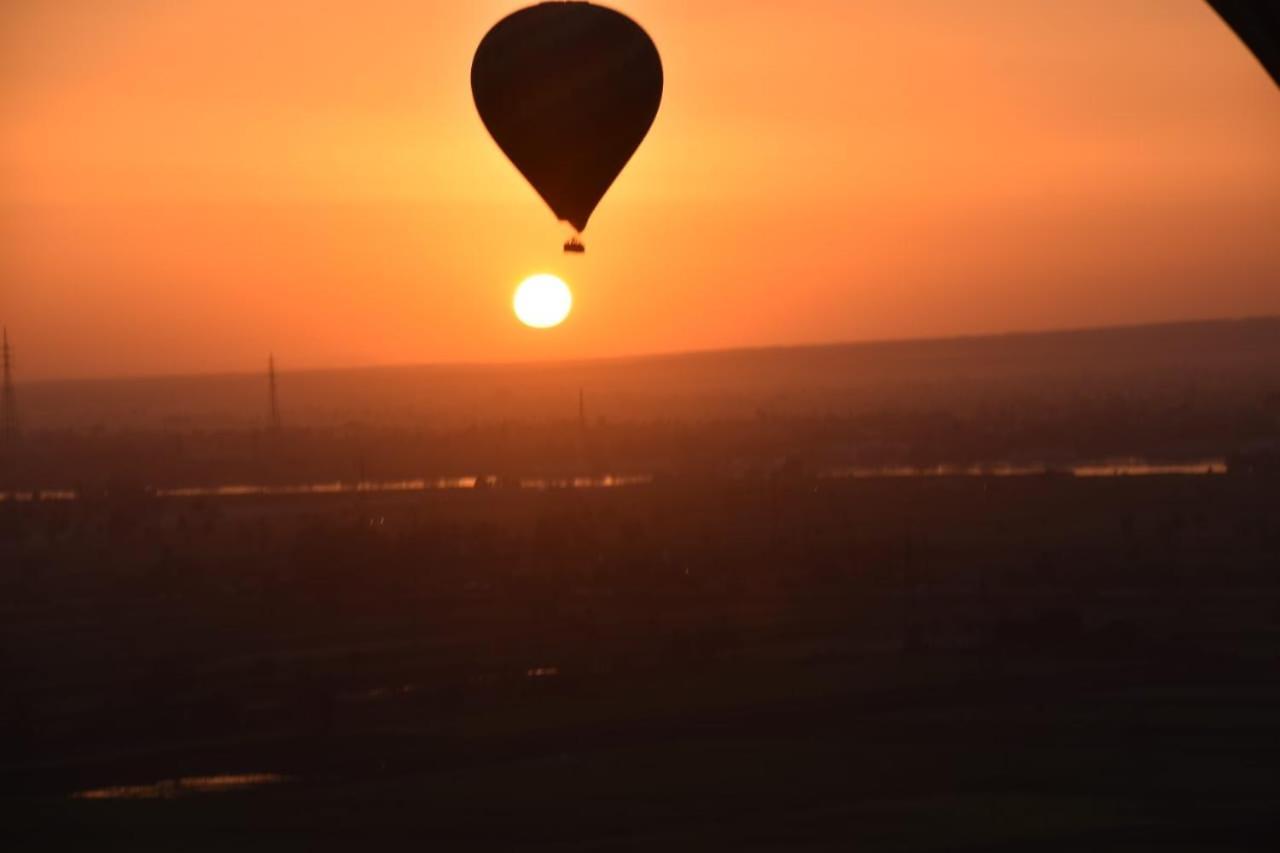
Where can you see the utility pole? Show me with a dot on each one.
(584, 443)
(274, 412)
(10, 400)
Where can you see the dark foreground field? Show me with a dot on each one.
(1030, 663)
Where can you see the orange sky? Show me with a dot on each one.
(185, 186)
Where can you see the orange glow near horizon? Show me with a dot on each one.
(186, 187)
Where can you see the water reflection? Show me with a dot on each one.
(167, 789)
(40, 495)
(333, 488)
(607, 481)
(1138, 468)
(1131, 467)
(1107, 468)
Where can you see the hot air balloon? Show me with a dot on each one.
(568, 91)
(1257, 22)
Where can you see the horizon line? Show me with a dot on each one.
(652, 355)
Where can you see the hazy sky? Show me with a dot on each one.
(185, 186)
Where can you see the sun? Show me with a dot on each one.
(542, 301)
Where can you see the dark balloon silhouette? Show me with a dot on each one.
(1257, 22)
(568, 91)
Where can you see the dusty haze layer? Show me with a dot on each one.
(1225, 364)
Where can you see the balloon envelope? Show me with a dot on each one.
(568, 91)
(1257, 22)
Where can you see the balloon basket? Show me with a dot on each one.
(574, 246)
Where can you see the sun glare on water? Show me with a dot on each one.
(542, 301)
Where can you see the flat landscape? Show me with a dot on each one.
(567, 426)
(1034, 662)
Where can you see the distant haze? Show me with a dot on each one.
(1215, 366)
(187, 186)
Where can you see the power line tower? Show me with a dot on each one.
(10, 399)
(585, 456)
(274, 411)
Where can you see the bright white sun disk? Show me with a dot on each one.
(542, 301)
